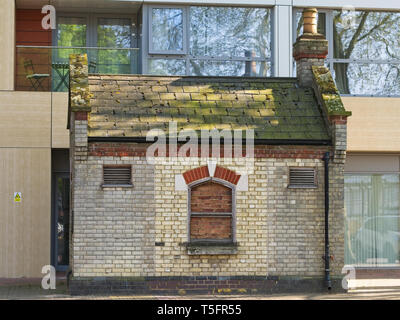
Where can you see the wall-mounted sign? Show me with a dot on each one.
(17, 196)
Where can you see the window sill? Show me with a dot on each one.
(303, 187)
(105, 186)
(211, 247)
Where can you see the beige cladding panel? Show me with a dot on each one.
(372, 163)
(7, 48)
(374, 124)
(25, 226)
(25, 119)
(59, 125)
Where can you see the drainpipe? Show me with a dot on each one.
(327, 270)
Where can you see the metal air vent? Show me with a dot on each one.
(302, 178)
(117, 175)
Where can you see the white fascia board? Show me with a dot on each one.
(361, 4)
(253, 3)
(358, 4)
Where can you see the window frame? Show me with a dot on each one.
(91, 22)
(151, 50)
(215, 214)
(331, 60)
(349, 215)
(149, 53)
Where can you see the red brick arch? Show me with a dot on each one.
(202, 173)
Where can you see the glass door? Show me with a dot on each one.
(71, 32)
(61, 221)
(372, 220)
(107, 40)
(116, 34)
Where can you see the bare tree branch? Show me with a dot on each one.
(374, 28)
(354, 39)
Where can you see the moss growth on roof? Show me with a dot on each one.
(328, 93)
(132, 105)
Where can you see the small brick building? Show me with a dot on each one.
(206, 224)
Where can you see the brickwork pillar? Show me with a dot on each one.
(335, 116)
(79, 108)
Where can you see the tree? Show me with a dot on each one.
(369, 35)
(229, 32)
(218, 34)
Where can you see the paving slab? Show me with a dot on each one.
(35, 292)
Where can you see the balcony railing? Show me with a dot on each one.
(47, 69)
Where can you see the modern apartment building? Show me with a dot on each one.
(216, 38)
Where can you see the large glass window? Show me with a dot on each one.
(113, 33)
(364, 50)
(372, 219)
(167, 30)
(162, 66)
(108, 41)
(222, 41)
(71, 32)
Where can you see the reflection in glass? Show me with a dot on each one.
(372, 221)
(367, 35)
(230, 68)
(71, 32)
(223, 41)
(113, 33)
(167, 66)
(167, 29)
(62, 221)
(367, 79)
(231, 32)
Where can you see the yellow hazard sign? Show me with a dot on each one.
(17, 197)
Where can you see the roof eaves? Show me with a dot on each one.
(313, 142)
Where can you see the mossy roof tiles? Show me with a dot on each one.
(131, 105)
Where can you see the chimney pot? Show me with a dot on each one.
(310, 20)
(310, 49)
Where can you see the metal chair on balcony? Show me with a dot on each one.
(36, 79)
(93, 66)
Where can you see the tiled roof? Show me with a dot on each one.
(131, 105)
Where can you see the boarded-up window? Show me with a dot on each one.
(117, 175)
(211, 212)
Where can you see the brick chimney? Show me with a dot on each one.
(310, 49)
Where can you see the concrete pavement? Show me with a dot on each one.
(35, 292)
